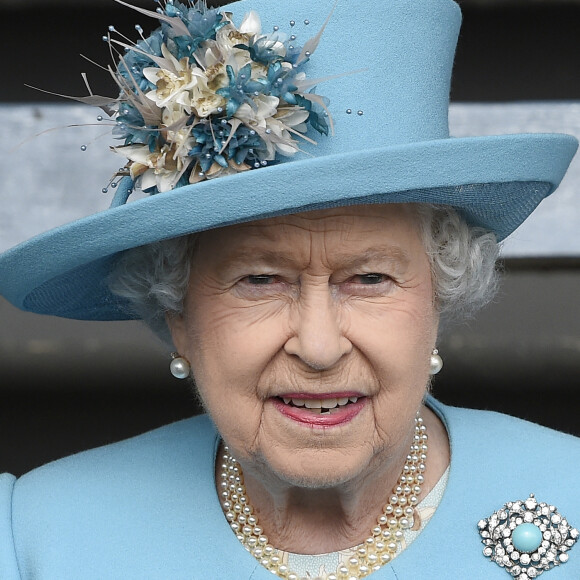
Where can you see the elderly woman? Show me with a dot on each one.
(301, 280)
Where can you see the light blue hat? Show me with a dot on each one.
(387, 67)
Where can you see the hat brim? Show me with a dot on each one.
(495, 182)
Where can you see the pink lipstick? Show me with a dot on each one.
(320, 410)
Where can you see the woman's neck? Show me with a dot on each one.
(316, 521)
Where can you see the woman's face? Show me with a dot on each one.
(309, 336)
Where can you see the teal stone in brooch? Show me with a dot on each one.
(527, 538)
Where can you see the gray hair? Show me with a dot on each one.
(463, 262)
(154, 278)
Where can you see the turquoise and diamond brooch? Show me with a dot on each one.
(527, 538)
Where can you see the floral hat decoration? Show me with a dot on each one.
(220, 120)
(201, 98)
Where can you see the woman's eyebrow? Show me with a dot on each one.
(253, 255)
(391, 254)
(257, 255)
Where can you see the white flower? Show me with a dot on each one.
(216, 170)
(293, 117)
(172, 85)
(251, 24)
(273, 124)
(161, 169)
(212, 60)
(265, 106)
(206, 103)
(285, 118)
(227, 38)
(175, 130)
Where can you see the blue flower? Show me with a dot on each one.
(281, 79)
(131, 127)
(264, 49)
(133, 63)
(202, 24)
(176, 9)
(316, 118)
(246, 147)
(292, 54)
(207, 149)
(241, 89)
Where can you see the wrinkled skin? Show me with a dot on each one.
(318, 303)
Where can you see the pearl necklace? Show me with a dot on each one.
(376, 551)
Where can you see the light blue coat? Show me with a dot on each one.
(146, 508)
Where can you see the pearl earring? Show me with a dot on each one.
(179, 367)
(435, 362)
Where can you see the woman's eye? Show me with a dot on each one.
(258, 286)
(370, 278)
(260, 279)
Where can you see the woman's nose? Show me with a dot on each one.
(317, 338)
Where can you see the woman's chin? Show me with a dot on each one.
(315, 470)
(313, 451)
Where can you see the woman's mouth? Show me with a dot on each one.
(320, 406)
(326, 411)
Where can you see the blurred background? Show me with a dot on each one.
(67, 385)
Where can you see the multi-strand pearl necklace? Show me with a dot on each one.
(376, 551)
